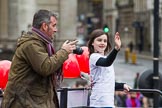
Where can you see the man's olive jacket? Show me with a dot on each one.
(29, 84)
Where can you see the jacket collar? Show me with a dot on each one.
(43, 36)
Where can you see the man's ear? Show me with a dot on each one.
(44, 27)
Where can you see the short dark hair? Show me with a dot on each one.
(81, 82)
(42, 16)
(96, 33)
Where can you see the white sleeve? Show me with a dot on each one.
(94, 57)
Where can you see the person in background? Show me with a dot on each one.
(80, 84)
(36, 66)
(136, 80)
(130, 45)
(144, 101)
(132, 100)
(102, 69)
(120, 99)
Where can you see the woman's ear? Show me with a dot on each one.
(93, 44)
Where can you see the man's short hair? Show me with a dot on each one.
(42, 16)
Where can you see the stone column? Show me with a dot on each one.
(26, 11)
(67, 20)
(20, 16)
(3, 21)
(13, 19)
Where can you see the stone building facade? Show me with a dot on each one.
(16, 17)
(77, 18)
(134, 20)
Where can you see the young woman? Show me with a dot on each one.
(102, 70)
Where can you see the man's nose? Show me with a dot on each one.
(55, 30)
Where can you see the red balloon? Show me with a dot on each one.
(71, 67)
(4, 70)
(83, 60)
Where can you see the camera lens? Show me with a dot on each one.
(78, 51)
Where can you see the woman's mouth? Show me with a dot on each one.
(101, 47)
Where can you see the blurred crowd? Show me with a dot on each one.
(132, 99)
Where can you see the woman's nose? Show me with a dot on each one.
(102, 42)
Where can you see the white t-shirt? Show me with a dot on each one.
(103, 78)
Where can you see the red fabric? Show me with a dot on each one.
(4, 71)
(133, 102)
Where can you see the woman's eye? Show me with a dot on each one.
(105, 41)
(99, 40)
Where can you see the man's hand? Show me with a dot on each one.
(69, 46)
(126, 88)
(117, 41)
